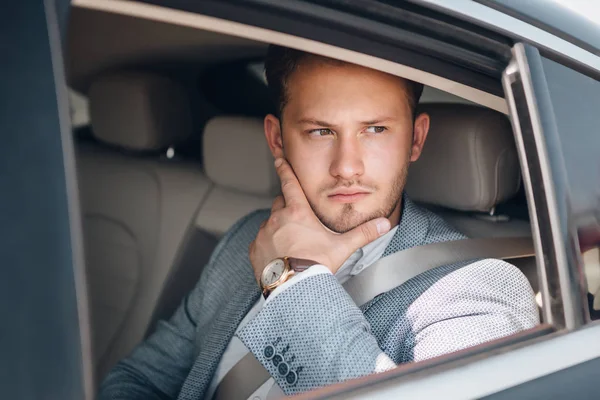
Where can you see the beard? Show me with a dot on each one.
(349, 217)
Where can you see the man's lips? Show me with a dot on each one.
(348, 195)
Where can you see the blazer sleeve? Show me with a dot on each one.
(324, 338)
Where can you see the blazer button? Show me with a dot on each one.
(283, 368)
(276, 359)
(269, 351)
(291, 378)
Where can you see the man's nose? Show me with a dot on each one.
(347, 161)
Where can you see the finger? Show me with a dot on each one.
(290, 187)
(263, 224)
(366, 233)
(278, 204)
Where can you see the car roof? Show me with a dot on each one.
(554, 18)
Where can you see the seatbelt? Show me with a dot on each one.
(384, 275)
(392, 271)
(242, 380)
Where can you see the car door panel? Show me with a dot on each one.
(42, 338)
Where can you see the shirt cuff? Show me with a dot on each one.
(310, 271)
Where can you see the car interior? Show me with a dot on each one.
(170, 153)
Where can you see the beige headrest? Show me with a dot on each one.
(469, 161)
(236, 155)
(139, 111)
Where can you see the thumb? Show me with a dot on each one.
(366, 233)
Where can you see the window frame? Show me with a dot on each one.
(536, 135)
(548, 44)
(514, 345)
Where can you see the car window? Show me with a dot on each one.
(575, 98)
(236, 88)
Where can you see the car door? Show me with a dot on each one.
(553, 95)
(43, 334)
(46, 347)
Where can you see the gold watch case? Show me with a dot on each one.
(271, 277)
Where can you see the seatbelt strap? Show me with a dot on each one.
(393, 270)
(384, 275)
(242, 380)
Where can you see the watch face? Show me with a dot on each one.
(273, 272)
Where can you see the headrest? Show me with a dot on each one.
(236, 155)
(139, 111)
(469, 161)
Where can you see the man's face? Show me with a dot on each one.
(347, 132)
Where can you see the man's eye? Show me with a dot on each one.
(321, 132)
(376, 129)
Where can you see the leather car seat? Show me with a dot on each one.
(137, 205)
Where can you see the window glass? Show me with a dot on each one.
(576, 99)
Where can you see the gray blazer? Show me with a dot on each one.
(315, 327)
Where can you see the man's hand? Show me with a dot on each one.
(293, 230)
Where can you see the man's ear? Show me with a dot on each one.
(420, 131)
(273, 135)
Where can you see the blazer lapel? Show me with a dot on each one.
(244, 293)
(412, 229)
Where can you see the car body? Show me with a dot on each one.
(534, 61)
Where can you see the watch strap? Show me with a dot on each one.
(300, 264)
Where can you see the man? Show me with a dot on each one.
(342, 142)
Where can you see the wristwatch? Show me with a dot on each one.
(280, 270)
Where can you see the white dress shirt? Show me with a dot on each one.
(236, 350)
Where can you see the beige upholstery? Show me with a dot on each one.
(107, 41)
(137, 210)
(469, 164)
(238, 161)
(469, 161)
(223, 207)
(139, 111)
(136, 214)
(483, 225)
(236, 156)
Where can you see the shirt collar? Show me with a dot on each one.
(371, 252)
(412, 229)
(365, 256)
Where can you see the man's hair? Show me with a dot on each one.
(281, 62)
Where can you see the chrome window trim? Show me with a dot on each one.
(512, 26)
(569, 290)
(508, 77)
